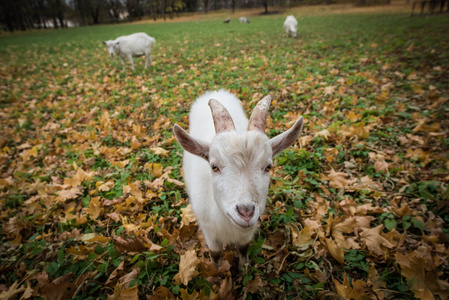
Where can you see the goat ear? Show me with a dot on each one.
(190, 144)
(284, 140)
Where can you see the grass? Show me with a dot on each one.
(371, 85)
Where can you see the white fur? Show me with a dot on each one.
(133, 45)
(211, 204)
(291, 25)
(244, 20)
(242, 157)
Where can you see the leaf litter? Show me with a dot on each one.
(93, 203)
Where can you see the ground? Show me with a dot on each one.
(92, 197)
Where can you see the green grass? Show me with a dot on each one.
(62, 94)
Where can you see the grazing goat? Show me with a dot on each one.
(133, 45)
(227, 169)
(244, 20)
(291, 25)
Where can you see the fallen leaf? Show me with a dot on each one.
(187, 267)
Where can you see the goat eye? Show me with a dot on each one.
(268, 168)
(215, 168)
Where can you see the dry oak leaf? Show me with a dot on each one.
(187, 267)
(373, 239)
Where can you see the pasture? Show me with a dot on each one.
(92, 200)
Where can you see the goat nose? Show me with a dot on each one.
(246, 211)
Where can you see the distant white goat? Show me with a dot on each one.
(244, 20)
(227, 169)
(133, 45)
(291, 25)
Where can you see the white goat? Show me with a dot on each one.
(227, 169)
(133, 45)
(291, 25)
(244, 20)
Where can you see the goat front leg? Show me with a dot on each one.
(215, 249)
(243, 255)
(147, 60)
(123, 63)
(130, 57)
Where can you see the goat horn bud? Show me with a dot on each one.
(259, 115)
(222, 119)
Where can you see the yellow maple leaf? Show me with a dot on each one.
(160, 151)
(68, 194)
(155, 169)
(187, 267)
(95, 208)
(325, 134)
(187, 215)
(105, 187)
(79, 178)
(353, 117)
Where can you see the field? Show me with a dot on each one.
(92, 198)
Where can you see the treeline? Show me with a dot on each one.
(31, 14)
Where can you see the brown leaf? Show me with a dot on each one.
(187, 268)
(136, 244)
(107, 186)
(374, 241)
(338, 179)
(126, 279)
(154, 169)
(225, 290)
(68, 194)
(121, 293)
(160, 151)
(162, 293)
(336, 251)
(12, 291)
(254, 285)
(187, 216)
(79, 178)
(95, 208)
